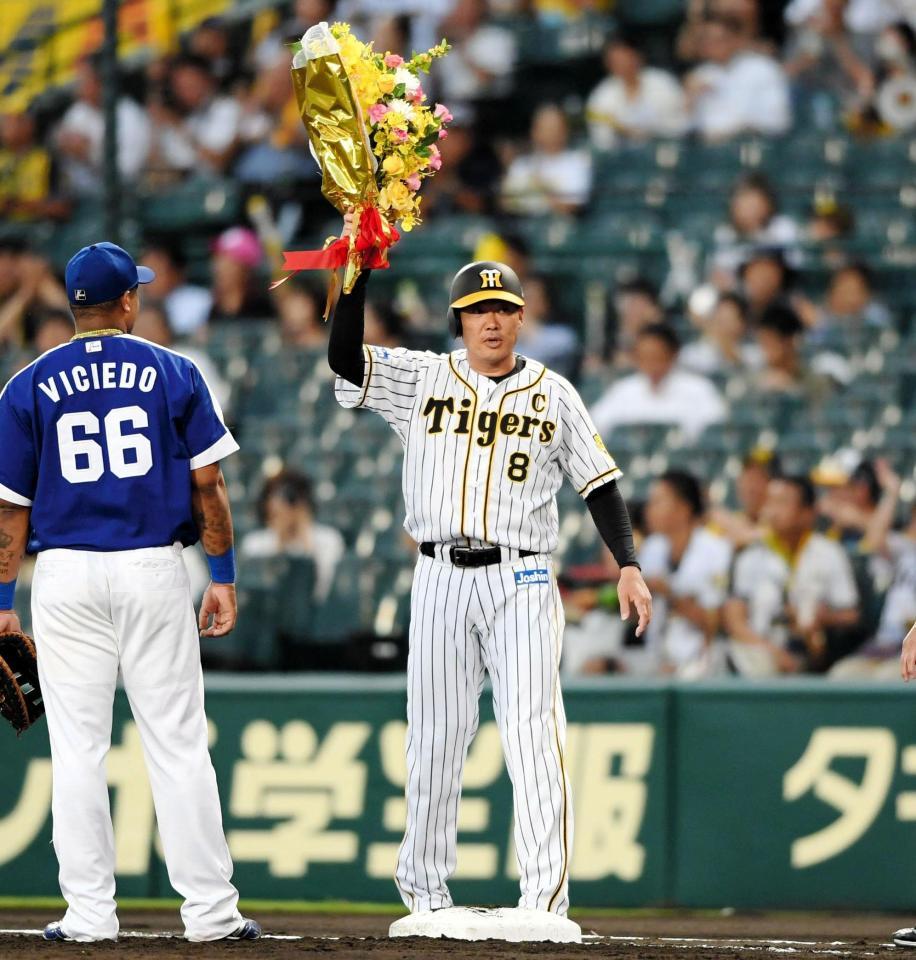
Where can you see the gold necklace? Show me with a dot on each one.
(109, 332)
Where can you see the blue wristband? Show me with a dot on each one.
(222, 568)
(6, 595)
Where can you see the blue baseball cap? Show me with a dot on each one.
(102, 272)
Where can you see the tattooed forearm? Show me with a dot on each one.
(210, 505)
(14, 533)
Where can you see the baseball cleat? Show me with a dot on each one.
(905, 937)
(53, 931)
(249, 930)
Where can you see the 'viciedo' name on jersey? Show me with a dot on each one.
(489, 424)
(98, 376)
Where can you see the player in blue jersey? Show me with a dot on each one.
(109, 465)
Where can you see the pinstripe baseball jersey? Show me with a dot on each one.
(483, 459)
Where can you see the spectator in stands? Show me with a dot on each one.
(186, 304)
(849, 305)
(211, 41)
(895, 99)
(53, 329)
(660, 392)
(793, 601)
(863, 19)
(274, 148)
(480, 65)
(238, 294)
(552, 177)
(28, 288)
(736, 90)
(152, 324)
(745, 525)
(686, 567)
(80, 136)
(300, 310)
(286, 508)
(636, 306)
(754, 222)
(822, 61)
(28, 175)
(196, 129)
(468, 181)
(879, 658)
(723, 347)
(634, 102)
(765, 281)
(385, 324)
(779, 336)
(544, 336)
(829, 220)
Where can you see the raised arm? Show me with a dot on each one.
(210, 502)
(14, 534)
(345, 343)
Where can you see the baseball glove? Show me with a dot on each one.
(20, 694)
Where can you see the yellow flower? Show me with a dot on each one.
(398, 195)
(393, 165)
(386, 83)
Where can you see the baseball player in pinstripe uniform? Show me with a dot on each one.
(110, 464)
(488, 437)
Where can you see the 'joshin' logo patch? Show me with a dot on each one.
(524, 578)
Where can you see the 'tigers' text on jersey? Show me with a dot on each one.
(488, 424)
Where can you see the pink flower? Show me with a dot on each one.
(413, 181)
(394, 61)
(416, 96)
(443, 134)
(376, 112)
(435, 159)
(399, 134)
(442, 112)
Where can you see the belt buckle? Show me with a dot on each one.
(460, 556)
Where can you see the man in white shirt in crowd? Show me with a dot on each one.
(736, 90)
(686, 567)
(287, 512)
(80, 137)
(186, 304)
(660, 391)
(200, 130)
(793, 592)
(635, 102)
(552, 177)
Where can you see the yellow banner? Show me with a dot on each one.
(42, 41)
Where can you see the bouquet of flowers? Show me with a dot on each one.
(374, 135)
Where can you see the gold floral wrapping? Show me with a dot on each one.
(336, 132)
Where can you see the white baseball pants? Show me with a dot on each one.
(93, 614)
(507, 619)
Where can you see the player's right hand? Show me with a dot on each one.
(349, 220)
(218, 610)
(9, 622)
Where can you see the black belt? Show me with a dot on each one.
(471, 557)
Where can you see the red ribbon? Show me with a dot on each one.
(375, 236)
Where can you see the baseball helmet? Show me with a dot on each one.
(482, 280)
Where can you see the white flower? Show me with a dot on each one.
(402, 108)
(403, 75)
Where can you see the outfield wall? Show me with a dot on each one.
(800, 794)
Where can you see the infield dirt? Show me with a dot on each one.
(336, 937)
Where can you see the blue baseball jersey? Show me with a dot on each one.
(99, 437)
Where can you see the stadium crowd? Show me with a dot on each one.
(763, 568)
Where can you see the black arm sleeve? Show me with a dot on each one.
(613, 522)
(345, 343)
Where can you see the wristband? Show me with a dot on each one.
(222, 567)
(6, 595)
